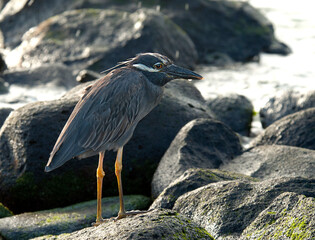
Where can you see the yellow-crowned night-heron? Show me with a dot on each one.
(108, 112)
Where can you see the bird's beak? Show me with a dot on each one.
(179, 72)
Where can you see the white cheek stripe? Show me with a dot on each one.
(144, 68)
(163, 60)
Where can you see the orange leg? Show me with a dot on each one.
(118, 168)
(99, 175)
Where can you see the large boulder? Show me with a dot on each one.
(226, 208)
(233, 28)
(97, 38)
(201, 143)
(29, 134)
(65, 220)
(158, 224)
(272, 161)
(297, 129)
(289, 216)
(192, 179)
(284, 104)
(235, 110)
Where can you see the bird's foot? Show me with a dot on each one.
(130, 213)
(98, 222)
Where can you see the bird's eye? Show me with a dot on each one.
(158, 66)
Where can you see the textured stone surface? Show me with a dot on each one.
(65, 220)
(284, 104)
(274, 161)
(192, 179)
(202, 143)
(157, 224)
(297, 129)
(289, 216)
(29, 134)
(226, 208)
(236, 111)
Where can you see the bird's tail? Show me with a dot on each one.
(61, 155)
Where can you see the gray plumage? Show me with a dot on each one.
(108, 112)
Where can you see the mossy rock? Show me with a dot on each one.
(157, 224)
(289, 216)
(65, 220)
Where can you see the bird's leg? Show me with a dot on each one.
(118, 167)
(99, 175)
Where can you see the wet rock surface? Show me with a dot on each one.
(29, 134)
(158, 224)
(297, 129)
(65, 220)
(236, 111)
(273, 161)
(225, 209)
(287, 103)
(192, 179)
(202, 143)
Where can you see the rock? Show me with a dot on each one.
(201, 143)
(274, 161)
(278, 47)
(236, 111)
(158, 224)
(297, 129)
(4, 113)
(226, 208)
(4, 212)
(65, 220)
(51, 75)
(289, 216)
(233, 28)
(285, 104)
(96, 38)
(3, 65)
(192, 179)
(4, 86)
(87, 76)
(29, 134)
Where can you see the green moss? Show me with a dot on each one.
(271, 213)
(203, 233)
(4, 211)
(56, 36)
(243, 27)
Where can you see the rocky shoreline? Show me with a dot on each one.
(186, 161)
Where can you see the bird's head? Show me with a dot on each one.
(158, 69)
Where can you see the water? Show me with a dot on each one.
(294, 23)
